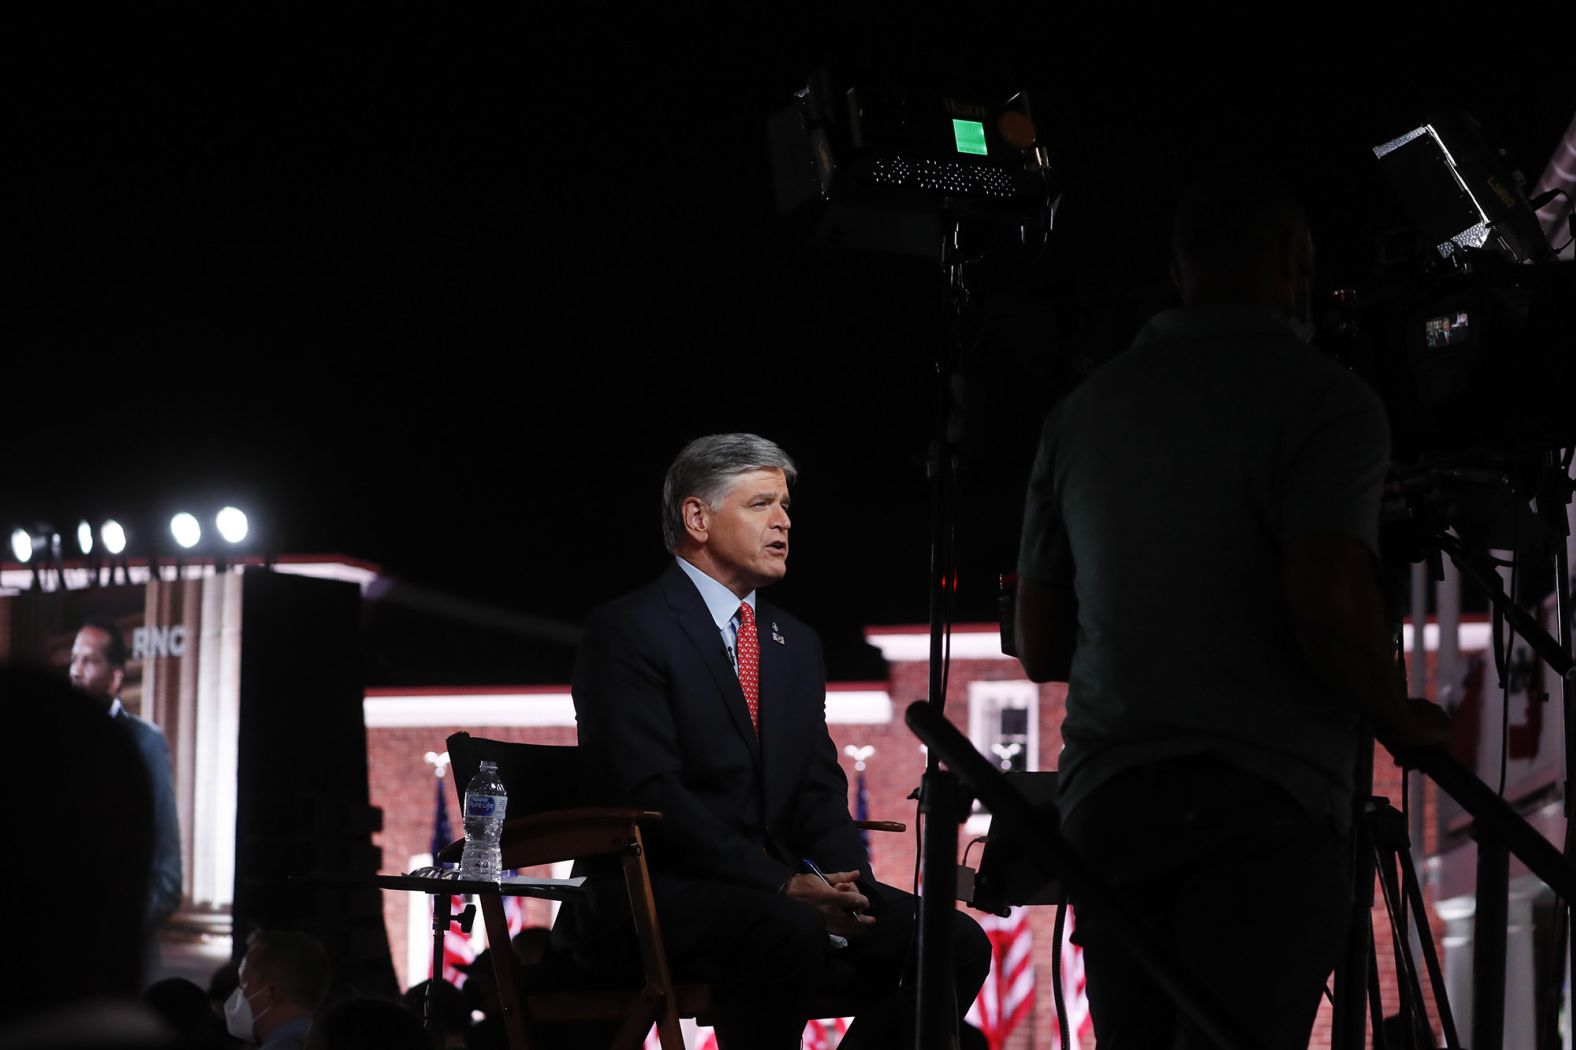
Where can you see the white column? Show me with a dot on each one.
(1520, 1031)
(218, 649)
(1457, 912)
(1521, 1028)
(1565, 997)
(418, 929)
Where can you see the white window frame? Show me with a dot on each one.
(987, 699)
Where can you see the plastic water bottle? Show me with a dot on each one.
(485, 802)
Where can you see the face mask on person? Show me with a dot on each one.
(238, 1019)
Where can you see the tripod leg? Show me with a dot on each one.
(1353, 971)
(1375, 1002)
(1436, 974)
(1409, 991)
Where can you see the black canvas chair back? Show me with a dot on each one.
(538, 777)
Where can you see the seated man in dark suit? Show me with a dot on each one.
(698, 700)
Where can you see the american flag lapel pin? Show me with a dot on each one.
(779, 639)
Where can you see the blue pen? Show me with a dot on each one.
(853, 913)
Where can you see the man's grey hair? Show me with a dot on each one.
(707, 469)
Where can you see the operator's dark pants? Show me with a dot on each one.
(1249, 891)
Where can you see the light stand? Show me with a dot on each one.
(936, 1009)
(887, 163)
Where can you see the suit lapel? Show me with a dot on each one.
(695, 620)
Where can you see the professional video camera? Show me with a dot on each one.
(1474, 351)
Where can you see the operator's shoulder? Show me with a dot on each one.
(1110, 381)
(1332, 380)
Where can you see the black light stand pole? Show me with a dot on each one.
(935, 1010)
(1562, 631)
(1489, 938)
(1553, 501)
(1348, 1018)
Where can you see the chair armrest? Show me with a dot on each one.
(880, 825)
(563, 834)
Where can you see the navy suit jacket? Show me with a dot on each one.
(663, 725)
(164, 882)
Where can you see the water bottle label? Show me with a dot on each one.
(485, 805)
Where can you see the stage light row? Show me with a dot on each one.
(230, 523)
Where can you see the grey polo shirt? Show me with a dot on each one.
(1165, 490)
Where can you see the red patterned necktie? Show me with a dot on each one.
(748, 647)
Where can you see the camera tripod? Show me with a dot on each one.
(1382, 854)
(1537, 490)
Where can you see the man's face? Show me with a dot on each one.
(90, 668)
(253, 984)
(746, 538)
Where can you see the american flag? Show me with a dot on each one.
(825, 1035)
(461, 948)
(695, 1037)
(1008, 993)
(457, 947)
(818, 1035)
(441, 833)
(514, 914)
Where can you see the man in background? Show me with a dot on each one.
(284, 978)
(98, 668)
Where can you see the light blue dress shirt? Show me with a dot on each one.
(723, 605)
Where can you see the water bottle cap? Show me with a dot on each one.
(488, 763)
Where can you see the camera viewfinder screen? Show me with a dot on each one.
(1446, 330)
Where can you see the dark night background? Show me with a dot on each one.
(446, 292)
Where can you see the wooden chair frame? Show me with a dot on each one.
(546, 838)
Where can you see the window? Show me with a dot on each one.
(1004, 724)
